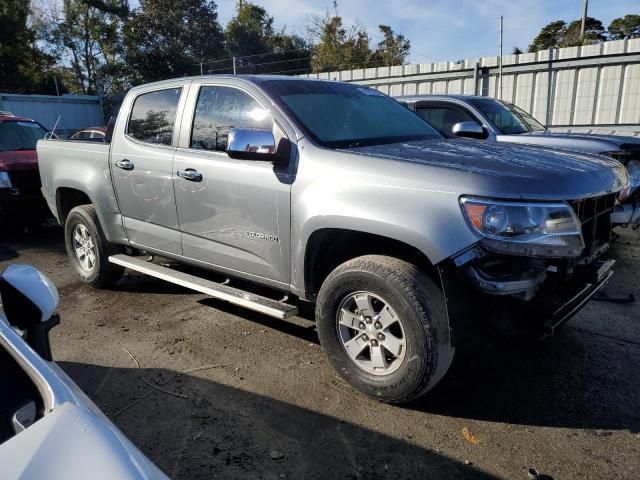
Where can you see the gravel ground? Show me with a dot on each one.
(259, 400)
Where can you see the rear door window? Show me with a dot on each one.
(153, 116)
(444, 118)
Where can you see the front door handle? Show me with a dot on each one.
(124, 164)
(190, 174)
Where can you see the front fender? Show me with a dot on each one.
(430, 222)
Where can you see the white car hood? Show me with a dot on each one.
(72, 443)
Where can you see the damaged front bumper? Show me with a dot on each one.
(485, 292)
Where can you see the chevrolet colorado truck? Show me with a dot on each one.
(495, 120)
(408, 244)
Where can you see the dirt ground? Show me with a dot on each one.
(259, 400)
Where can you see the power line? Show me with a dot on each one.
(280, 52)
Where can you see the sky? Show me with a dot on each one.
(440, 29)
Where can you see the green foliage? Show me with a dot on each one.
(88, 38)
(338, 47)
(168, 38)
(393, 49)
(250, 34)
(23, 65)
(625, 27)
(594, 32)
(550, 36)
(342, 48)
(517, 51)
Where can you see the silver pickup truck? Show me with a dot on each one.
(408, 244)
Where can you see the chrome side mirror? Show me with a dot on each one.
(251, 144)
(469, 130)
(29, 301)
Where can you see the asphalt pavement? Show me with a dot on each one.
(243, 396)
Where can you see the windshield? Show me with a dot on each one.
(508, 118)
(19, 135)
(339, 115)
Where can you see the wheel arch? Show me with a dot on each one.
(326, 248)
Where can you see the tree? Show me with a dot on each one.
(550, 36)
(517, 51)
(87, 38)
(23, 66)
(169, 38)
(337, 47)
(625, 27)
(251, 37)
(558, 34)
(594, 32)
(393, 49)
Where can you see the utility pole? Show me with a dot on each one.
(583, 25)
(234, 65)
(500, 63)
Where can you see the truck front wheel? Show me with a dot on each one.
(383, 324)
(88, 248)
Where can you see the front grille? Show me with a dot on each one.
(595, 216)
(27, 181)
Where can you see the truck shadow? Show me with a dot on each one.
(572, 380)
(218, 431)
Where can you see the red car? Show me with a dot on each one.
(20, 195)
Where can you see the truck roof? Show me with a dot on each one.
(256, 79)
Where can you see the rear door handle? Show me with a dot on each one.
(124, 164)
(190, 174)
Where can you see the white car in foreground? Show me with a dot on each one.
(48, 427)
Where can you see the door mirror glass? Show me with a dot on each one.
(251, 144)
(28, 296)
(469, 130)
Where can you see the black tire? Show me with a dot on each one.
(103, 274)
(420, 304)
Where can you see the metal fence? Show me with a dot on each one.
(577, 88)
(75, 111)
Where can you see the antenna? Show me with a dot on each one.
(52, 134)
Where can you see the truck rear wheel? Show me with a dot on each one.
(383, 324)
(88, 248)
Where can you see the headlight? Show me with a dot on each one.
(525, 228)
(5, 181)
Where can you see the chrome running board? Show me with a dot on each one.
(258, 303)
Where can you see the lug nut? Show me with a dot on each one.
(380, 336)
(365, 338)
(362, 326)
(369, 320)
(378, 325)
(374, 343)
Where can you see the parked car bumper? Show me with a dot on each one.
(15, 204)
(626, 214)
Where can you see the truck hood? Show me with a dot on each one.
(581, 142)
(18, 160)
(533, 172)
